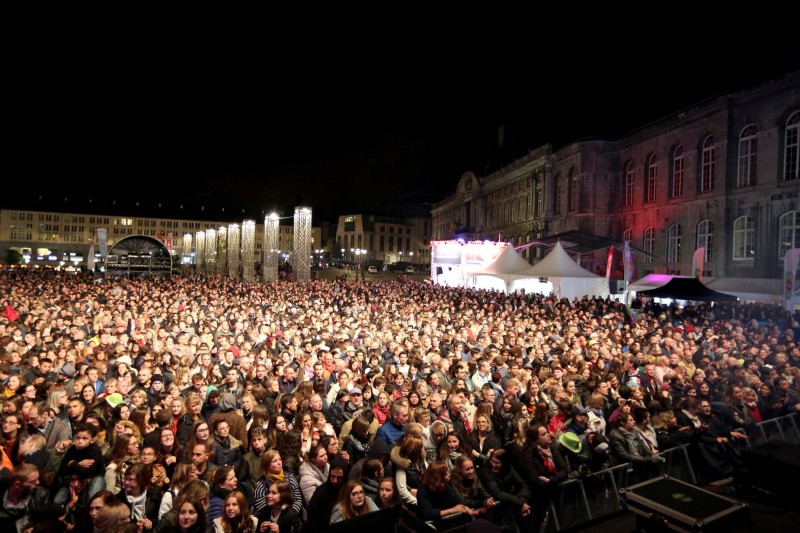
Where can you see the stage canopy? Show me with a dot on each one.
(556, 273)
(680, 288)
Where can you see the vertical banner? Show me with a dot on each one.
(698, 262)
(790, 264)
(90, 256)
(169, 242)
(628, 262)
(610, 260)
(102, 240)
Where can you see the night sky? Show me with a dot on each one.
(346, 129)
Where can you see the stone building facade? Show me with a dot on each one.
(721, 174)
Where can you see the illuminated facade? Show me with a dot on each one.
(721, 174)
(57, 236)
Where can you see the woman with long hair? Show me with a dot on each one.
(191, 517)
(225, 482)
(201, 434)
(352, 502)
(277, 426)
(57, 401)
(437, 498)
(388, 496)
(381, 407)
(178, 480)
(13, 386)
(168, 452)
(156, 473)
(313, 471)
(236, 517)
(279, 515)
(124, 453)
(451, 449)
(141, 417)
(466, 483)
(272, 472)
(409, 462)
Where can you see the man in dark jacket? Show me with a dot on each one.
(23, 501)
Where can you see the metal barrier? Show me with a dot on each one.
(596, 496)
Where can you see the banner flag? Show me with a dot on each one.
(698, 262)
(628, 262)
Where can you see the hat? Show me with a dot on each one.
(114, 399)
(68, 370)
(570, 441)
(355, 390)
(576, 411)
(124, 359)
(350, 348)
(157, 377)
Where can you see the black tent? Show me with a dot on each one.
(687, 289)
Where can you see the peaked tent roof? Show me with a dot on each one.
(559, 264)
(686, 289)
(508, 262)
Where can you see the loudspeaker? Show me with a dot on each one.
(770, 470)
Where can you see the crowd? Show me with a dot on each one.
(193, 404)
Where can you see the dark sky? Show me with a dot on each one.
(344, 128)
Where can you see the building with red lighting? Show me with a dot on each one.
(721, 174)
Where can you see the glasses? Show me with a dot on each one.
(357, 493)
(147, 454)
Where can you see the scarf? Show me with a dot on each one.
(454, 455)
(361, 447)
(274, 478)
(695, 421)
(547, 455)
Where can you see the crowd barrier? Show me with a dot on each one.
(596, 496)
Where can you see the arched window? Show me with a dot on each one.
(708, 166)
(626, 235)
(705, 237)
(677, 172)
(630, 173)
(744, 238)
(748, 156)
(674, 244)
(649, 243)
(652, 178)
(792, 149)
(788, 232)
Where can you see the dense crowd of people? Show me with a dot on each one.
(194, 404)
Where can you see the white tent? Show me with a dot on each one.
(559, 274)
(500, 273)
(556, 273)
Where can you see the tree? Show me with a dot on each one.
(13, 257)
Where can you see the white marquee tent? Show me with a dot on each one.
(556, 273)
